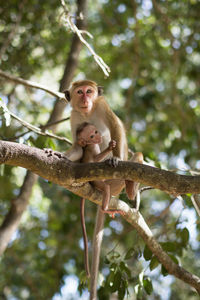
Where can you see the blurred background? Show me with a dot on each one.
(153, 51)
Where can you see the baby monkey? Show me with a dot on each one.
(89, 139)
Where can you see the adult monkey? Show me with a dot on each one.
(88, 105)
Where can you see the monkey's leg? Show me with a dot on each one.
(131, 186)
(87, 269)
(131, 189)
(105, 188)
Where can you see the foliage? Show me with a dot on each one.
(153, 50)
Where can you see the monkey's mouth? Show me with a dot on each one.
(85, 109)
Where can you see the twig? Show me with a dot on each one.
(53, 123)
(32, 84)
(34, 128)
(146, 188)
(74, 28)
(14, 138)
(195, 204)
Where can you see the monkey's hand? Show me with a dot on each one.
(112, 145)
(113, 161)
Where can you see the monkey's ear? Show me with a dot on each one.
(81, 142)
(100, 90)
(67, 95)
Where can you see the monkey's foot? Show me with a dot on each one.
(113, 161)
(51, 152)
(112, 212)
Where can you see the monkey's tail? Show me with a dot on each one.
(96, 250)
(85, 239)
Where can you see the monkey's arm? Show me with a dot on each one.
(102, 155)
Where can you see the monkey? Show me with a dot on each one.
(89, 139)
(89, 105)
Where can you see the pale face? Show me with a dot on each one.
(83, 98)
(91, 135)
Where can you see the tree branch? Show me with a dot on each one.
(32, 84)
(58, 169)
(70, 175)
(34, 128)
(18, 206)
(68, 19)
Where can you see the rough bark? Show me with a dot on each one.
(64, 172)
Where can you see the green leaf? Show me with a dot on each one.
(148, 285)
(124, 268)
(114, 266)
(122, 289)
(184, 234)
(169, 246)
(130, 253)
(164, 271)
(154, 263)
(110, 279)
(174, 258)
(50, 143)
(116, 281)
(147, 253)
(106, 260)
(83, 277)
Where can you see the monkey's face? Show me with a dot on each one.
(83, 98)
(91, 135)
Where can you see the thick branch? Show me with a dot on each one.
(18, 206)
(70, 175)
(64, 172)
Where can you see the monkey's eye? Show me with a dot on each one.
(89, 91)
(96, 132)
(92, 136)
(79, 92)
